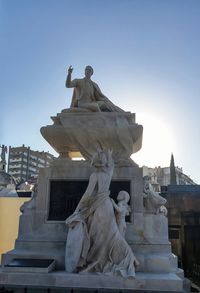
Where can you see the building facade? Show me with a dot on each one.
(161, 176)
(24, 163)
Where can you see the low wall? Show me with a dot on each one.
(9, 221)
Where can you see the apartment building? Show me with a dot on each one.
(24, 163)
(161, 176)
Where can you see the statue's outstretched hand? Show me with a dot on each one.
(70, 69)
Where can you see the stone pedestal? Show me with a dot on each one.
(43, 233)
(143, 282)
(86, 132)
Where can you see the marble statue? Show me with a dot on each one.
(3, 153)
(122, 209)
(87, 94)
(153, 202)
(7, 183)
(94, 242)
(3, 158)
(88, 248)
(93, 122)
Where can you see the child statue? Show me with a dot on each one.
(122, 209)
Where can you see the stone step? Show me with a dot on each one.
(44, 244)
(149, 262)
(143, 282)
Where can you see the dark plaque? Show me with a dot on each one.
(30, 262)
(66, 194)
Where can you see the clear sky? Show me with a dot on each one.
(146, 57)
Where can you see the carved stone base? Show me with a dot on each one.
(41, 236)
(168, 282)
(84, 133)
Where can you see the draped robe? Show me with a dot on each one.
(94, 243)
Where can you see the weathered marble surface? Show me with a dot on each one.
(143, 281)
(94, 122)
(153, 202)
(40, 238)
(87, 132)
(122, 209)
(3, 152)
(94, 242)
(87, 95)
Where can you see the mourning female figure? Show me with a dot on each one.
(94, 242)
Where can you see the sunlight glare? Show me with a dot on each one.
(158, 142)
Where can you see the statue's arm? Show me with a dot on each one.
(128, 210)
(115, 206)
(91, 185)
(98, 93)
(101, 97)
(69, 82)
(90, 188)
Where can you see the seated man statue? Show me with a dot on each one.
(87, 95)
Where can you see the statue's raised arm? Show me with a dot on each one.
(68, 80)
(87, 95)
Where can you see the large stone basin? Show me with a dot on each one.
(85, 132)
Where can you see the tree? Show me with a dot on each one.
(172, 172)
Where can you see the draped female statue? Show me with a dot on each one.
(94, 242)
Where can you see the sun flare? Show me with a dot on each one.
(158, 142)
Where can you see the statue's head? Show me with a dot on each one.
(102, 158)
(88, 71)
(123, 195)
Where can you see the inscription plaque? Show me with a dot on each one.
(30, 265)
(65, 195)
(30, 262)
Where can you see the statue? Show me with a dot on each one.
(122, 209)
(3, 153)
(153, 202)
(87, 95)
(3, 158)
(94, 242)
(93, 122)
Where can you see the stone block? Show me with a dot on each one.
(30, 265)
(155, 228)
(167, 282)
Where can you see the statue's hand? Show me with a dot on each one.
(70, 69)
(112, 201)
